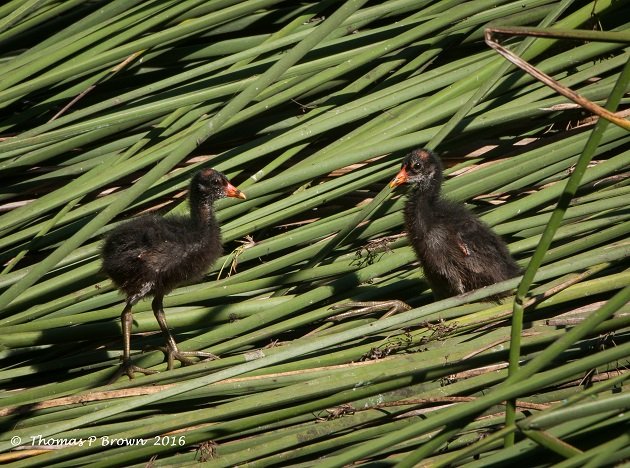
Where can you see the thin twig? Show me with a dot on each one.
(101, 80)
(549, 81)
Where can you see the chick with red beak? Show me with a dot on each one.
(151, 255)
(457, 251)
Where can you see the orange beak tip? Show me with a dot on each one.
(231, 191)
(400, 178)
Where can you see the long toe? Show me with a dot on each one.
(200, 354)
(354, 309)
(183, 357)
(129, 369)
(396, 307)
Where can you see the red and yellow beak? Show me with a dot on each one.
(231, 191)
(400, 178)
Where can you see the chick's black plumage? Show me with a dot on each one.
(151, 255)
(457, 251)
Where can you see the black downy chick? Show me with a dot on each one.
(151, 255)
(458, 252)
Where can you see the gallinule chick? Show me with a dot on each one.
(151, 255)
(458, 252)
